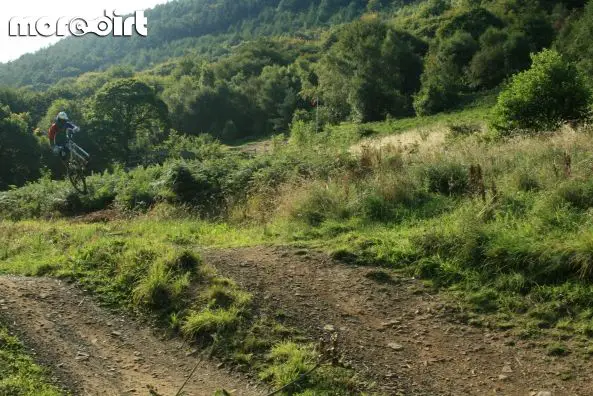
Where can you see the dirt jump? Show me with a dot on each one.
(399, 338)
(95, 352)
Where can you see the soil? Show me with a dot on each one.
(92, 351)
(100, 216)
(394, 332)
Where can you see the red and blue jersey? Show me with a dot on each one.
(57, 132)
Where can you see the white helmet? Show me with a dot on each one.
(62, 116)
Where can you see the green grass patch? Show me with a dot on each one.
(19, 375)
(557, 349)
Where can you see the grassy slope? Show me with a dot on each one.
(19, 375)
(475, 112)
(519, 259)
(167, 281)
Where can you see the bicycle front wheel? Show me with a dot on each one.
(77, 178)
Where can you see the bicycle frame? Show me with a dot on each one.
(76, 165)
(78, 152)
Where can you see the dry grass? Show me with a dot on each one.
(390, 166)
(414, 141)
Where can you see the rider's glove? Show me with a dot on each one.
(71, 131)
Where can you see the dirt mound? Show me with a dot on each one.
(397, 334)
(94, 352)
(100, 216)
(391, 330)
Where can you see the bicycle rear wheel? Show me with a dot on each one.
(77, 178)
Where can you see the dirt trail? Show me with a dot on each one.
(397, 334)
(95, 352)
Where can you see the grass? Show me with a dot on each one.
(19, 375)
(557, 349)
(349, 133)
(167, 281)
(291, 360)
(210, 321)
(520, 259)
(509, 246)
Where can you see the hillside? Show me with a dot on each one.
(386, 198)
(204, 27)
(394, 61)
(393, 248)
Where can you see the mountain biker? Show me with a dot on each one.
(58, 134)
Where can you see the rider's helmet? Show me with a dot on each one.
(62, 117)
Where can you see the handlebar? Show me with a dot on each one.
(71, 132)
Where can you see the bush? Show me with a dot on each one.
(321, 203)
(527, 182)
(198, 184)
(541, 98)
(302, 133)
(448, 179)
(578, 194)
(461, 130)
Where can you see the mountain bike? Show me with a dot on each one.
(76, 163)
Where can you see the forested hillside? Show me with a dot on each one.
(254, 69)
(206, 27)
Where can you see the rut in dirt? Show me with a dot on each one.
(95, 352)
(394, 332)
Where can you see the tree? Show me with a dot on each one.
(197, 110)
(277, 97)
(138, 117)
(575, 41)
(440, 88)
(488, 67)
(475, 22)
(19, 150)
(371, 71)
(540, 98)
(443, 77)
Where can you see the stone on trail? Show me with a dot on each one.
(395, 346)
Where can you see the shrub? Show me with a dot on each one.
(181, 181)
(461, 130)
(448, 179)
(302, 133)
(527, 182)
(541, 98)
(388, 198)
(364, 132)
(578, 194)
(321, 203)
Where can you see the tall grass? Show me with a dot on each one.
(416, 204)
(508, 251)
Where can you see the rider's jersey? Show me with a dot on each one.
(59, 134)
